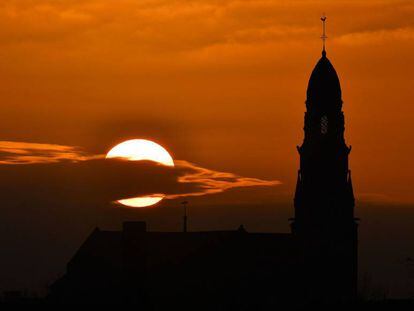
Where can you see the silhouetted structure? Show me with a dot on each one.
(324, 200)
(236, 269)
(186, 269)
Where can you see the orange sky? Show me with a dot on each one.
(218, 83)
(221, 85)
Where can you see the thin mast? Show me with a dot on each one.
(184, 203)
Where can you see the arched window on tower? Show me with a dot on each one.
(324, 125)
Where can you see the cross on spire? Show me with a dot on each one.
(323, 37)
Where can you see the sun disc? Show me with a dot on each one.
(142, 201)
(138, 150)
(141, 149)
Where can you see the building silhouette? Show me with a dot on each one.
(316, 262)
(324, 200)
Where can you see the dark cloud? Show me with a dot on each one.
(40, 171)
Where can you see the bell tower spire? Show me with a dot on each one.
(324, 200)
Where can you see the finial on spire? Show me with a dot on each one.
(324, 37)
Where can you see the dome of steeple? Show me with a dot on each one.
(323, 86)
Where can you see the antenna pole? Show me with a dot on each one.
(184, 203)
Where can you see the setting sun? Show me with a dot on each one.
(138, 150)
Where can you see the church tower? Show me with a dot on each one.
(324, 201)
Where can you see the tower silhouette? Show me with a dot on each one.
(324, 201)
